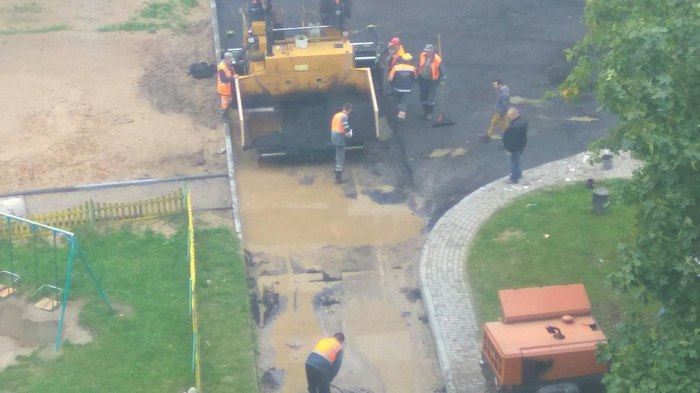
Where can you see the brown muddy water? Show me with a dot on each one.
(326, 262)
(25, 329)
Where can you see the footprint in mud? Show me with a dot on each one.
(272, 380)
(412, 294)
(306, 180)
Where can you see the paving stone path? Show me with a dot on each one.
(446, 293)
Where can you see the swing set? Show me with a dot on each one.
(48, 296)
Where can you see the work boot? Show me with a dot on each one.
(429, 112)
(224, 116)
(339, 177)
(425, 111)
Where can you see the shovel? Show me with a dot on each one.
(441, 119)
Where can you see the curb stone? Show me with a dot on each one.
(444, 259)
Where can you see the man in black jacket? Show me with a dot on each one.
(402, 77)
(514, 141)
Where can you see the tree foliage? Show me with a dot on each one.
(642, 57)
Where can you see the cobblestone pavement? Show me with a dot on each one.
(446, 293)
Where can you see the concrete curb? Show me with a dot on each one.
(227, 133)
(444, 259)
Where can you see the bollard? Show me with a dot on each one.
(600, 200)
(607, 161)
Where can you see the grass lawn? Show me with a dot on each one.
(149, 349)
(551, 237)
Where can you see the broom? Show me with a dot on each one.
(442, 120)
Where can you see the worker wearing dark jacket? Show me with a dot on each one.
(225, 75)
(514, 141)
(323, 363)
(402, 77)
(335, 13)
(431, 73)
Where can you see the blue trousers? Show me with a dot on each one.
(515, 172)
(338, 141)
(318, 381)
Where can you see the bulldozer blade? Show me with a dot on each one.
(442, 121)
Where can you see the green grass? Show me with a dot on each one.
(149, 349)
(156, 15)
(512, 251)
(47, 29)
(27, 8)
(134, 25)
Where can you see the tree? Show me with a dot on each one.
(642, 58)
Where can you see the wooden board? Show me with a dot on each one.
(47, 304)
(6, 291)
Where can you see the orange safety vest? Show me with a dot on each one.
(402, 67)
(337, 122)
(395, 57)
(224, 88)
(328, 348)
(434, 65)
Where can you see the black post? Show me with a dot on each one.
(269, 31)
(600, 200)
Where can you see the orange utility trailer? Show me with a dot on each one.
(545, 343)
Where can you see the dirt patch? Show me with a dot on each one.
(80, 106)
(510, 234)
(25, 329)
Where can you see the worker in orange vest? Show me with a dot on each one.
(402, 77)
(323, 363)
(431, 73)
(340, 129)
(225, 75)
(394, 52)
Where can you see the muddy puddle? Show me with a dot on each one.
(24, 329)
(330, 259)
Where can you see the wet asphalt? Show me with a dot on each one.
(519, 41)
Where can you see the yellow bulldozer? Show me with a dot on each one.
(293, 80)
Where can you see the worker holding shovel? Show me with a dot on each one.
(431, 74)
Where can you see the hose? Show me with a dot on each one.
(362, 390)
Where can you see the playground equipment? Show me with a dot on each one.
(8, 278)
(50, 296)
(46, 302)
(12, 278)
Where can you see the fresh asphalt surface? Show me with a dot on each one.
(519, 41)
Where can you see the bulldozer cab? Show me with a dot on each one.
(546, 339)
(293, 80)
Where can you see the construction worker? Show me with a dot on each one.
(335, 13)
(501, 106)
(394, 52)
(256, 10)
(431, 73)
(340, 129)
(402, 77)
(225, 75)
(323, 363)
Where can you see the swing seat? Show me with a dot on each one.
(47, 304)
(6, 291)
